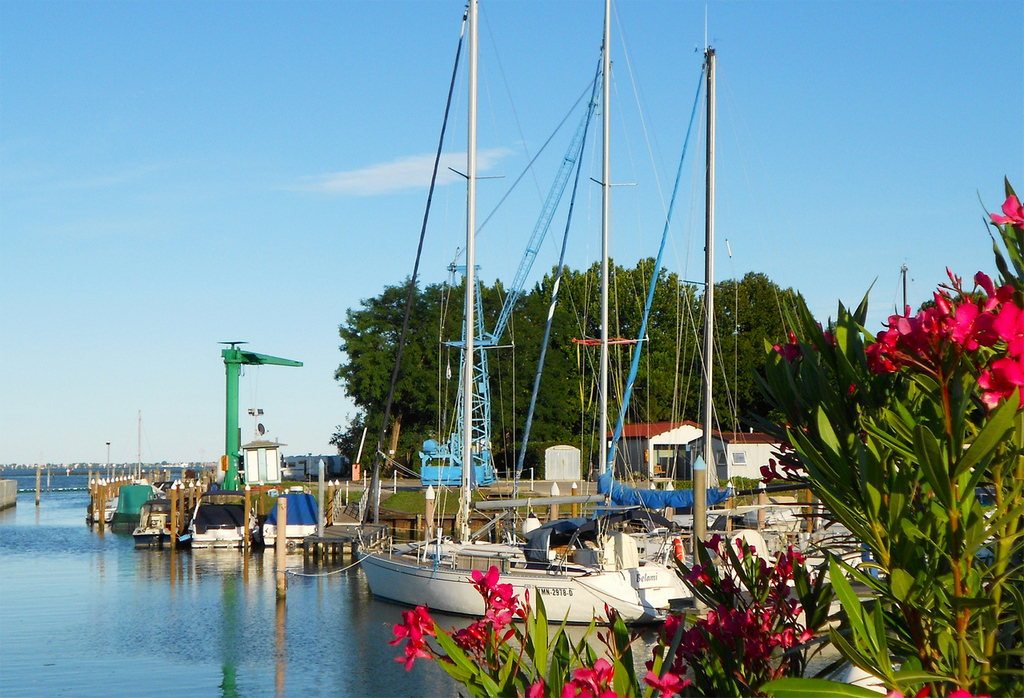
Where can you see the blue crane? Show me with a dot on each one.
(441, 464)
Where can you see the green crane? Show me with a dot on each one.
(233, 360)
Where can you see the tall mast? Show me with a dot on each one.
(467, 378)
(606, 176)
(700, 476)
(903, 274)
(138, 463)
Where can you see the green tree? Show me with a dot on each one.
(667, 385)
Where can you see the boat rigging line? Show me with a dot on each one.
(375, 480)
(554, 293)
(635, 364)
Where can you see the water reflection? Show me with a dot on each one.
(90, 615)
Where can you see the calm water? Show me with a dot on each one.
(88, 615)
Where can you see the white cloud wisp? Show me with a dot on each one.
(404, 173)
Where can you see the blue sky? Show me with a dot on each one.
(173, 175)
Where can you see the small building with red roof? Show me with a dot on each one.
(668, 450)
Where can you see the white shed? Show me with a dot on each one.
(562, 463)
(262, 462)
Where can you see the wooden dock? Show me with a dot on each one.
(341, 539)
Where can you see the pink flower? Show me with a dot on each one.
(961, 693)
(963, 326)
(982, 279)
(416, 625)
(790, 351)
(486, 582)
(412, 653)
(536, 690)
(714, 543)
(1009, 327)
(1003, 379)
(669, 684)
(594, 682)
(1014, 216)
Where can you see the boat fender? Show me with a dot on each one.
(678, 544)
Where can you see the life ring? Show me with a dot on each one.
(678, 545)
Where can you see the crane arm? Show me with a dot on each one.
(544, 222)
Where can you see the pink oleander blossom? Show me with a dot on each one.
(536, 690)
(1002, 380)
(791, 350)
(1008, 325)
(1013, 213)
(668, 685)
(415, 627)
(591, 682)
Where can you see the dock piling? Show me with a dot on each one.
(320, 500)
(281, 546)
(38, 472)
(248, 504)
(174, 516)
(428, 531)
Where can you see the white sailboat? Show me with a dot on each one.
(577, 572)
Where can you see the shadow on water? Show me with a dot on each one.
(89, 615)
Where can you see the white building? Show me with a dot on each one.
(667, 450)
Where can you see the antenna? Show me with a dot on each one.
(234, 345)
(705, 26)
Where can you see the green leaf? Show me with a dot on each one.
(851, 604)
(456, 654)
(960, 603)
(988, 439)
(915, 677)
(828, 434)
(814, 688)
(901, 582)
(926, 448)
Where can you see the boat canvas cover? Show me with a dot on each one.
(558, 532)
(301, 510)
(132, 497)
(219, 516)
(654, 499)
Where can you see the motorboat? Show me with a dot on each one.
(154, 529)
(302, 517)
(219, 521)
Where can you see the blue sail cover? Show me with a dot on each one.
(653, 499)
(301, 510)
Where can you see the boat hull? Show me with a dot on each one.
(639, 595)
(151, 538)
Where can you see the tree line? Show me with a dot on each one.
(748, 313)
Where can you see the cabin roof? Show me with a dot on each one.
(647, 430)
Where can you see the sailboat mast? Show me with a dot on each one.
(138, 463)
(467, 378)
(605, 206)
(903, 274)
(700, 476)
